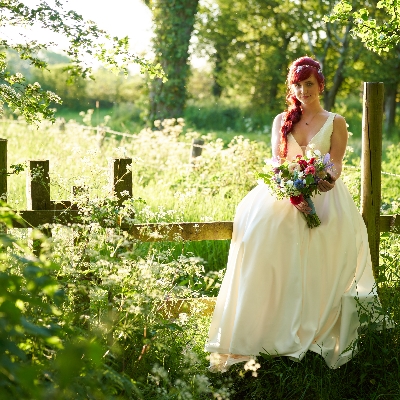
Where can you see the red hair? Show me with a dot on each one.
(299, 70)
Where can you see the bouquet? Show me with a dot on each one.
(298, 180)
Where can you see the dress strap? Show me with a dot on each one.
(322, 141)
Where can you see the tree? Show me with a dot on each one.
(173, 21)
(54, 79)
(217, 33)
(384, 67)
(331, 43)
(85, 38)
(251, 43)
(379, 30)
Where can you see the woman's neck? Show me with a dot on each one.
(312, 108)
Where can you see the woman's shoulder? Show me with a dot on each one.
(279, 118)
(339, 121)
(340, 128)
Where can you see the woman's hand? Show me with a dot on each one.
(303, 207)
(325, 186)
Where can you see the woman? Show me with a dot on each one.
(288, 288)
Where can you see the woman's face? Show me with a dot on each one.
(306, 91)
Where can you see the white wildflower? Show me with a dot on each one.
(124, 193)
(183, 318)
(251, 365)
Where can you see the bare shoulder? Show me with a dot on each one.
(276, 135)
(339, 122)
(278, 119)
(339, 137)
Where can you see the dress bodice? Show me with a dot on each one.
(321, 140)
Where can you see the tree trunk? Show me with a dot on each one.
(217, 87)
(174, 20)
(275, 103)
(330, 95)
(268, 76)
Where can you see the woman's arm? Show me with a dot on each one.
(338, 148)
(276, 135)
(338, 145)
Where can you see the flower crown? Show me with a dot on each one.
(300, 67)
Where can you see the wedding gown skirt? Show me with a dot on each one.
(289, 289)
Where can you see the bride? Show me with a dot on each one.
(288, 288)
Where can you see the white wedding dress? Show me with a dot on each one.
(287, 288)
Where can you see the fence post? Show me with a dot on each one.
(197, 147)
(371, 165)
(38, 193)
(3, 169)
(120, 178)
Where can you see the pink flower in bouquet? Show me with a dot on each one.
(310, 170)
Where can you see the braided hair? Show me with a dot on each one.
(299, 70)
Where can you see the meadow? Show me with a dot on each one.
(94, 302)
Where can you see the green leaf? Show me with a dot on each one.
(34, 329)
(309, 179)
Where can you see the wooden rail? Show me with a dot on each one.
(163, 232)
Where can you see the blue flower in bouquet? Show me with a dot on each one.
(298, 184)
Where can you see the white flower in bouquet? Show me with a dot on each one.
(293, 167)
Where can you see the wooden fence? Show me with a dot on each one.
(42, 210)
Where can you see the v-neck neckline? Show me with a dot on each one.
(322, 127)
